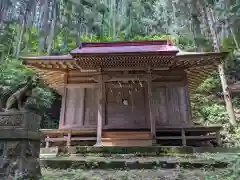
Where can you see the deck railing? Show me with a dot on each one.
(184, 136)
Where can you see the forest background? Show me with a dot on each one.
(54, 27)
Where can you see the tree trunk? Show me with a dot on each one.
(52, 30)
(196, 26)
(44, 24)
(29, 24)
(216, 45)
(207, 33)
(234, 37)
(18, 49)
(114, 19)
(20, 35)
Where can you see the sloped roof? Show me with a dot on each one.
(160, 46)
(198, 65)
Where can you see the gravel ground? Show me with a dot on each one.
(225, 157)
(157, 174)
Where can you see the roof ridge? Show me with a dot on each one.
(125, 43)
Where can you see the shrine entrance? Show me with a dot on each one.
(127, 117)
(126, 107)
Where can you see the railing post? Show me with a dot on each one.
(47, 141)
(218, 138)
(69, 139)
(184, 142)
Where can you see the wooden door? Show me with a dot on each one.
(125, 108)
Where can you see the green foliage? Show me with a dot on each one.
(207, 110)
(228, 43)
(14, 73)
(230, 173)
(211, 84)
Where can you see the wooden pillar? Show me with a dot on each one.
(101, 110)
(189, 108)
(63, 105)
(151, 118)
(82, 106)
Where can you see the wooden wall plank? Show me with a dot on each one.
(70, 107)
(159, 106)
(170, 106)
(183, 103)
(90, 117)
(79, 107)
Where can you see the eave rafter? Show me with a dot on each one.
(196, 62)
(52, 64)
(54, 79)
(197, 75)
(124, 61)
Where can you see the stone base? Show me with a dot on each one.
(98, 144)
(19, 146)
(20, 159)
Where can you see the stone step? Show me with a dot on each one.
(93, 162)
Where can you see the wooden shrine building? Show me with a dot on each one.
(127, 93)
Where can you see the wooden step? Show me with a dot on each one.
(126, 134)
(127, 138)
(126, 142)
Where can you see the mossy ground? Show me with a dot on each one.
(232, 172)
(135, 161)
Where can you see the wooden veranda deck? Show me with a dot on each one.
(168, 136)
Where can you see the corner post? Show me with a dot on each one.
(151, 118)
(101, 109)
